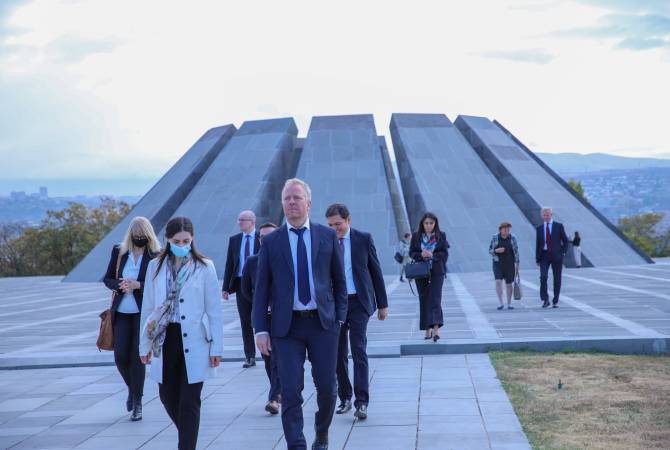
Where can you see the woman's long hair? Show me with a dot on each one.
(140, 226)
(174, 226)
(429, 215)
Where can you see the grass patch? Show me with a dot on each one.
(606, 401)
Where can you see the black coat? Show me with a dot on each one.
(112, 282)
(440, 255)
(367, 272)
(559, 241)
(233, 260)
(249, 278)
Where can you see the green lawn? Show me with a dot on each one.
(609, 402)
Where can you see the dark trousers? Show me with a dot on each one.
(273, 376)
(244, 309)
(272, 372)
(354, 331)
(180, 399)
(556, 264)
(126, 353)
(430, 301)
(306, 335)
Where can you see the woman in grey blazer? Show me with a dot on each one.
(182, 331)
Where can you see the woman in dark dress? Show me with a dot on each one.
(132, 257)
(430, 244)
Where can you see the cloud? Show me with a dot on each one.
(72, 48)
(534, 56)
(641, 25)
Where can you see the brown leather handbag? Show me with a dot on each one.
(106, 334)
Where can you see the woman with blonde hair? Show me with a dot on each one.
(125, 275)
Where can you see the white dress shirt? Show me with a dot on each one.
(128, 305)
(293, 241)
(348, 267)
(546, 224)
(252, 241)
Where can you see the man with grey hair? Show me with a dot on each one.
(551, 243)
(301, 277)
(240, 247)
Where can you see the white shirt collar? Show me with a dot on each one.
(304, 225)
(252, 233)
(348, 235)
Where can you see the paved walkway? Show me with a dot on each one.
(44, 321)
(444, 402)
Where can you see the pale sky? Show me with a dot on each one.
(123, 88)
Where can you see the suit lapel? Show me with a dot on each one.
(286, 247)
(257, 243)
(315, 239)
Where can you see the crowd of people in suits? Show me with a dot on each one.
(303, 291)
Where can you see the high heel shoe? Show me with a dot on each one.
(436, 337)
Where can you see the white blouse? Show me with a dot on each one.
(128, 305)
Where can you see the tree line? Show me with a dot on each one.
(62, 239)
(59, 241)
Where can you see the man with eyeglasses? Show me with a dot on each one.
(240, 247)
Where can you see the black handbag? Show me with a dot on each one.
(398, 257)
(418, 270)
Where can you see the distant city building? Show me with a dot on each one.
(44, 193)
(18, 196)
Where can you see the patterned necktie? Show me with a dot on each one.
(548, 238)
(304, 295)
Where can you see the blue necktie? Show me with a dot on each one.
(303, 270)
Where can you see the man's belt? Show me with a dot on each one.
(306, 313)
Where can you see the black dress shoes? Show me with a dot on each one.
(361, 412)
(137, 412)
(320, 442)
(555, 305)
(129, 403)
(344, 407)
(545, 304)
(250, 362)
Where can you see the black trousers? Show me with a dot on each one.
(430, 301)
(556, 264)
(354, 332)
(126, 353)
(244, 310)
(180, 399)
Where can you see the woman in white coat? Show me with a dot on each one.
(182, 332)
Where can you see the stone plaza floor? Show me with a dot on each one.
(48, 328)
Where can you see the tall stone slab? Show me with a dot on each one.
(160, 203)
(531, 185)
(248, 175)
(342, 162)
(440, 172)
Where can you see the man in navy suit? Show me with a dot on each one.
(366, 293)
(551, 243)
(301, 278)
(240, 247)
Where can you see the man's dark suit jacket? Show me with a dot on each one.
(112, 282)
(249, 278)
(440, 254)
(559, 241)
(275, 280)
(368, 277)
(233, 259)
